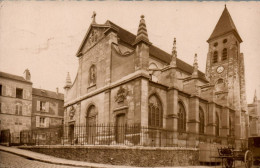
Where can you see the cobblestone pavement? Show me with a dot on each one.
(8, 160)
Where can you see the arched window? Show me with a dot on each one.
(215, 57)
(217, 125)
(91, 115)
(224, 54)
(220, 85)
(155, 116)
(201, 120)
(92, 75)
(181, 118)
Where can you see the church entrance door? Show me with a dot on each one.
(91, 130)
(120, 128)
(71, 133)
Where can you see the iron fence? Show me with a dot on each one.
(106, 134)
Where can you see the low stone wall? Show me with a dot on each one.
(117, 155)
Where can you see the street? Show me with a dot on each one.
(8, 160)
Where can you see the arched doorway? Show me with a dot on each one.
(91, 124)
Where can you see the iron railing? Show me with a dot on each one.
(106, 134)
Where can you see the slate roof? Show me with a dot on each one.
(156, 52)
(14, 77)
(47, 93)
(225, 25)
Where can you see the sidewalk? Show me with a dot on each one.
(60, 161)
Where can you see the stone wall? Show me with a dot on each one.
(128, 156)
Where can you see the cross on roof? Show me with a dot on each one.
(94, 17)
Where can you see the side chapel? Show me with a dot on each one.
(123, 78)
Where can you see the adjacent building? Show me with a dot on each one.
(15, 104)
(47, 108)
(124, 79)
(254, 116)
(23, 108)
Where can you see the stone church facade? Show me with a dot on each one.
(123, 78)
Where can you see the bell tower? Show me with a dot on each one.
(225, 69)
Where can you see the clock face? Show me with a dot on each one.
(220, 69)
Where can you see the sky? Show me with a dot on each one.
(45, 36)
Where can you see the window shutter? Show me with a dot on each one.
(37, 121)
(47, 105)
(38, 105)
(47, 122)
(3, 90)
(20, 109)
(24, 94)
(16, 109)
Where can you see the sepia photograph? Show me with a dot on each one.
(127, 84)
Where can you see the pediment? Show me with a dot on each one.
(94, 34)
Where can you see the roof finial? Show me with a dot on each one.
(68, 83)
(142, 32)
(94, 17)
(255, 97)
(195, 66)
(174, 53)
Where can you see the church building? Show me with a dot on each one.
(123, 79)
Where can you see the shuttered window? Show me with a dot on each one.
(224, 54)
(215, 57)
(43, 106)
(37, 121)
(18, 109)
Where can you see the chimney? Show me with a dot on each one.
(27, 75)
(57, 90)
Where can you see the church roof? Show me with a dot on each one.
(14, 77)
(225, 25)
(156, 52)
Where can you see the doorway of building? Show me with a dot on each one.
(120, 128)
(71, 133)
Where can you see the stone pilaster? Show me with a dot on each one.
(112, 35)
(193, 120)
(172, 113)
(210, 129)
(144, 102)
(107, 106)
(224, 131)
